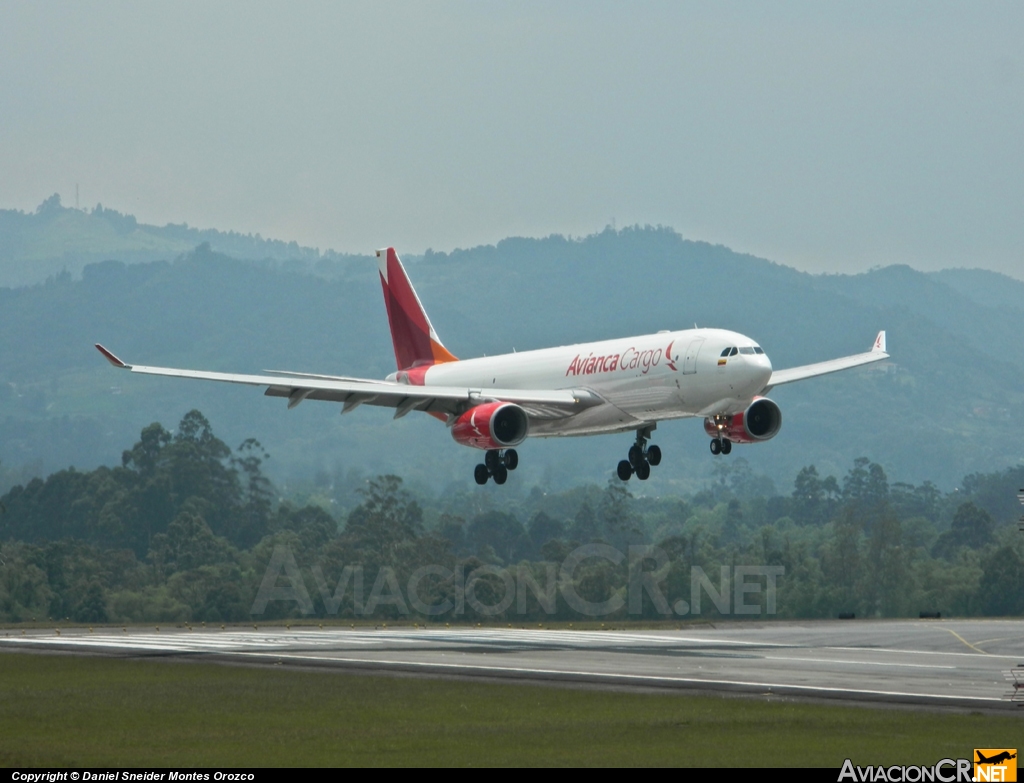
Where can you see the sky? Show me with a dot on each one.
(833, 137)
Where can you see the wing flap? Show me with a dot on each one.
(287, 374)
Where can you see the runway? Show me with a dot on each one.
(960, 663)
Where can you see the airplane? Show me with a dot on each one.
(614, 386)
(996, 759)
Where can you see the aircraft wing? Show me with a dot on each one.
(876, 354)
(404, 398)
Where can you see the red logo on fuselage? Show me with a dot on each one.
(630, 359)
(668, 357)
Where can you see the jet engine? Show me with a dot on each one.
(493, 425)
(762, 420)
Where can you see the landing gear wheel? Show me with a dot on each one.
(511, 459)
(481, 474)
(641, 457)
(492, 459)
(501, 475)
(636, 456)
(716, 446)
(726, 446)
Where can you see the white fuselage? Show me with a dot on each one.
(640, 379)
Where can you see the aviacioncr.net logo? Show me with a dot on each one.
(944, 771)
(995, 764)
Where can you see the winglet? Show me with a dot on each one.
(879, 346)
(111, 358)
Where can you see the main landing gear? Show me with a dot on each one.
(641, 457)
(497, 464)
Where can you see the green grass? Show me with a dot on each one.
(80, 711)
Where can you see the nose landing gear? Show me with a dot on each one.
(641, 457)
(496, 464)
(720, 444)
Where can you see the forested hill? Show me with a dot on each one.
(55, 239)
(950, 403)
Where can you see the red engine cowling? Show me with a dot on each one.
(494, 425)
(762, 420)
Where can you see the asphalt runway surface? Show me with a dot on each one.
(957, 663)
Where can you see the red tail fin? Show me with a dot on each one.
(416, 342)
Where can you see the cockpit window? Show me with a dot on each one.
(726, 352)
(748, 351)
(758, 349)
(734, 351)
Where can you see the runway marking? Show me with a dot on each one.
(606, 637)
(858, 663)
(924, 652)
(184, 643)
(179, 641)
(634, 677)
(218, 642)
(962, 639)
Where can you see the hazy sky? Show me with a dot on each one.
(827, 136)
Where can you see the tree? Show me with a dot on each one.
(188, 544)
(145, 455)
(387, 518)
(452, 528)
(314, 526)
(585, 526)
(910, 501)
(1002, 583)
(733, 521)
(744, 483)
(619, 520)
(198, 466)
(257, 493)
(972, 527)
(93, 606)
(808, 497)
(543, 528)
(197, 460)
(890, 580)
(500, 531)
(50, 206)
(865, 485)
(841, 562)
(996, 492)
